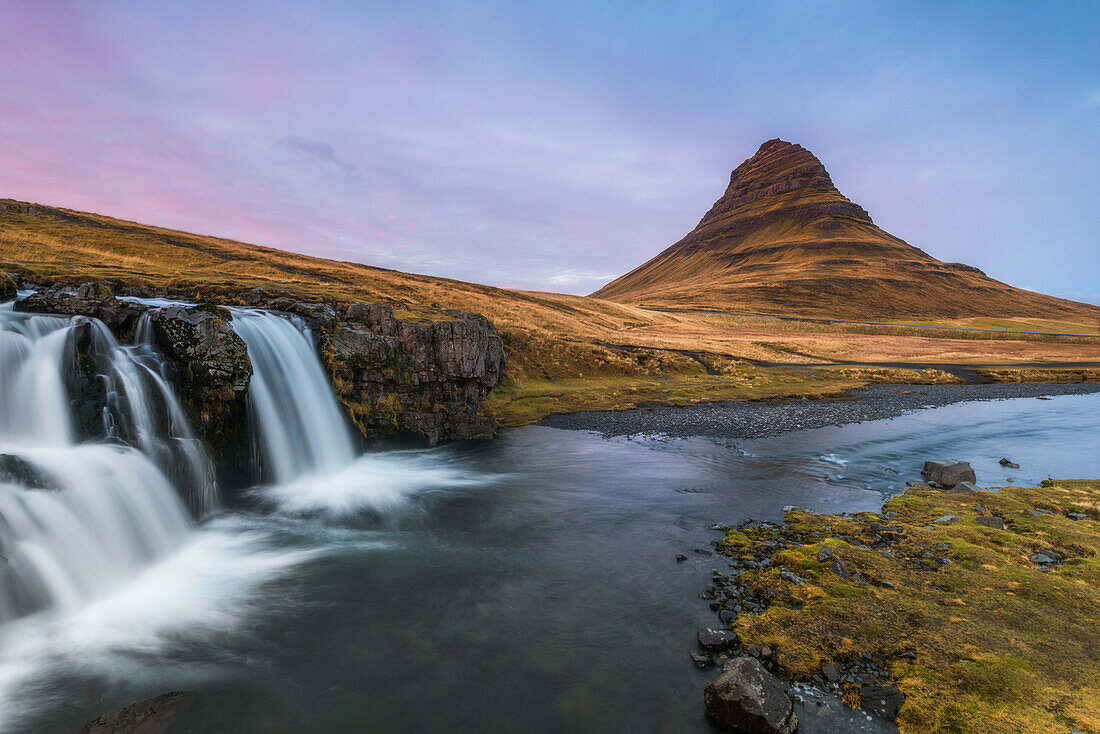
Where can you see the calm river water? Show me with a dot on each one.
(528, 583)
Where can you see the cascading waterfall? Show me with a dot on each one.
(300, 427)
(78, 518)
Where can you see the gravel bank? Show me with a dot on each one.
(768, 418)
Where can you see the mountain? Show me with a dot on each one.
(783, 239)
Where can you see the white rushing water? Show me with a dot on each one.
(78, 519)
(300, 427)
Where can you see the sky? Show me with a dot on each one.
(555, 146)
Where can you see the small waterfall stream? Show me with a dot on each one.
(300, 427)
(76, 519)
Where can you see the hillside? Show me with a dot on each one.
(563, 352)
(784, 240)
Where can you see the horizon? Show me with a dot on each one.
(556, 151)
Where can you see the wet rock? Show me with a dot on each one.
(991, 522)
(8, 287)
(830, 673)
(747, 698)
(17, 470)
(886, 701)
(712, 639)
(701, 660)
(94, 300)
(211, 371)
(169, 713)
(680, 558)
(948, 473)
(402, 377)
(1009, 464)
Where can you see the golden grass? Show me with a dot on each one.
(1000, 644)
(564, 352)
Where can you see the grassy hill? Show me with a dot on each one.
(564, 352)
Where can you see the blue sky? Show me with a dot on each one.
(556, 146)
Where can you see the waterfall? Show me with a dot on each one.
(296, 419)
(77, 518)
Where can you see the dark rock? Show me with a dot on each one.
(1009, 464)
(991, 522)
(747, 698)
(93, 300)
(169, 713)
(830, 673)
(886, 701)
(825, 554)
(8, 287)
(680, 558)
(948, 473)
(17, 470)
(963, 487)
(1076, 516)
(211, 370)
(838, 568)
(792, 577)
(712, 639)
(401, 377)
(701, 660)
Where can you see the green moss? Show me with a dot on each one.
(1001, 645)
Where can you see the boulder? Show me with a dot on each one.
(15, 469)
(168, 713)
(948, 473)
(1008, 464)
(8, 287)
(886, 701)
(991, 522)
(712, 639)
(964, 487)
(747, 698)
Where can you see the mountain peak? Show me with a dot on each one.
(777, 169)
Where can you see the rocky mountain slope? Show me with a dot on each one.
(783, 239)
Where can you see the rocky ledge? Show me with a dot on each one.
(426, 380)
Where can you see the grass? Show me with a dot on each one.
(563, 352)
(1000, 645)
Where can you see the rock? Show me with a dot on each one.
(838, 568)
(825, 554)
(169, 713)
(8, 287)
(991, 522)
(829, 672)
(946, 518)
(15, 469)
(792, 577)
(712, 639)
(963, 487)
(886, 701)
(93, 300)
(1077, 516)
(747, 698)
(1042, 559)
(1038, 513)
(403, 377)
(211, 371)
(701, 660)
(948, 473)
(1009, 464)
(680, 558)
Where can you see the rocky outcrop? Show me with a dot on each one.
(8, 287)
(211, 369)
(94, 300)
(405, 377)
(168, 713)
(948, 473)
(747, 698)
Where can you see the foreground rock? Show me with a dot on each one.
(212, 372)
(948, 473)
(168, 713)
(94, 300)
(747, 698)
(8, 287)
(424, 379)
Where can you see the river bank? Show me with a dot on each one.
(960, 611)
(757, 419)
